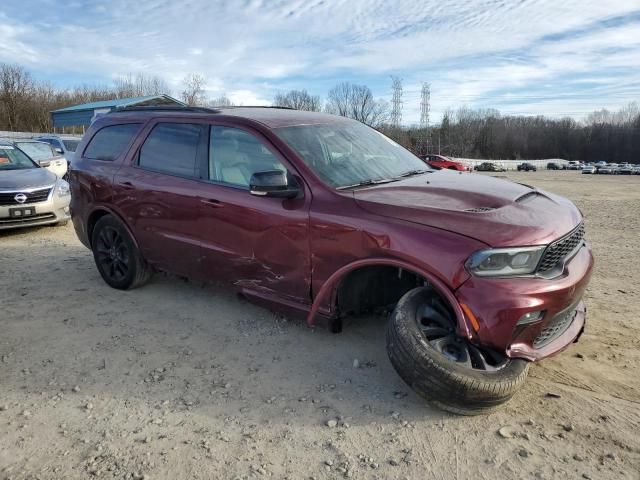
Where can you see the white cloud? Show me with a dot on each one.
(468, 49)
(246, 98)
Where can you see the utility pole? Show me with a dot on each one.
(425, 107)
(396, 102)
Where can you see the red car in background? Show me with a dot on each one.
(440, 161)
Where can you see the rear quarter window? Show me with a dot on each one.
(110, 142)
(172, 148)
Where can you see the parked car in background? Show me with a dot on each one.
(599, 165)
(63, 144)
(636, 170)
(608, 169)
(625, 169)
(489, 167)
(527, 167)
(45, 155)
(555, 166)
(483, 275)
(574, 165)
(590, 169)
(440, 161)
(29, 194)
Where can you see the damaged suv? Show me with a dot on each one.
(323, 216)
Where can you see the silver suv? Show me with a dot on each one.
(29, 194)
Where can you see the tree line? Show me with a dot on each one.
(25, 104)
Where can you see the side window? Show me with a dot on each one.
(172, 148)
(235, 155)
(110, 142)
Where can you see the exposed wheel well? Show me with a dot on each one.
(372, 287)
(93, 219)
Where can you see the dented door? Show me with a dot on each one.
(258, 244)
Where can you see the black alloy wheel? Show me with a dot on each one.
(116, 254)
(112, 253)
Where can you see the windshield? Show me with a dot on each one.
(71, 145)
(13, 159)
(37, 151)
(350, 153)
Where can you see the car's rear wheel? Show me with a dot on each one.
(116, 255)
(447, 370)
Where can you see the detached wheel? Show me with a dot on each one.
(448, 371)
(118, 259)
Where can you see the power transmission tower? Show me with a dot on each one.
(396, 102)
(423, 140)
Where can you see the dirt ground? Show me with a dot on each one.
(176, 380)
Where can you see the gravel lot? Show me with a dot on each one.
(176, 380)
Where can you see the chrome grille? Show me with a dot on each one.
(556, 327)
(35, 196)
(556, 252)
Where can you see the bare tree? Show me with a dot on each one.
(299, 100)
(140, 85)
(625, 115)
(193, 93)
(221, 101)
(357, 102)
(614, 136)
(15, 87)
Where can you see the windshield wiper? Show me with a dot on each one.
(411, 173)
(364, 183)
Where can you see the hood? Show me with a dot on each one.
(497, 212)
(27, 178)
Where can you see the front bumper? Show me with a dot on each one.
(498, 305)
(53, 210)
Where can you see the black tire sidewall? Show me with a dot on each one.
(449, 385)
(134, 255)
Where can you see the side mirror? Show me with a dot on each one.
(273, 183)
(44, 163)
(58, 150)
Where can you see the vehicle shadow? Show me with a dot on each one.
(25, 231)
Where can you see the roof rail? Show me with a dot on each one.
(166, 108)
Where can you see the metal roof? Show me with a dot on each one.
(115, 103)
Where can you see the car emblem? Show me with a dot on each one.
(20, 198)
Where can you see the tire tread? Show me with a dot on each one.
(437, 379)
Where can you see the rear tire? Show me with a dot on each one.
(449, 384)
(117, 257)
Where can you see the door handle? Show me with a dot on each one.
(212, 202)
(126, 185)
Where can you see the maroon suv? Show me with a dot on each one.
(324, 216)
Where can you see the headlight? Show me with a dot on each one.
(505, 262)
(62, 188)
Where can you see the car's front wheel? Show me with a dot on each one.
(447, 370)
(116, 255)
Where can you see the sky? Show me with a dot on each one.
(549, 57)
